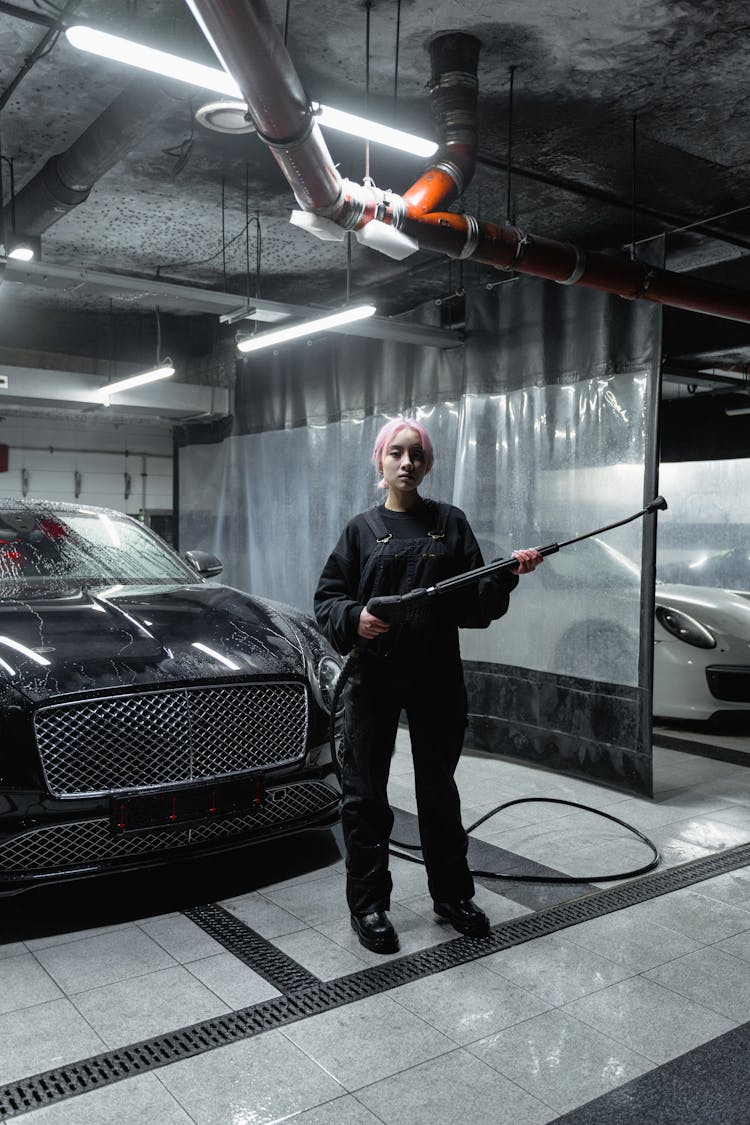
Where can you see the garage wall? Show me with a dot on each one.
(49, 454)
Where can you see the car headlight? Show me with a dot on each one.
(329, 671)
(685, 628)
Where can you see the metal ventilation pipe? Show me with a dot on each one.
(454, 89)
(246, 40)
(67, 178)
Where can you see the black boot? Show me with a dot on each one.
(375, 931)
(464, 916)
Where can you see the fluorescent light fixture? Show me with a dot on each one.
(163, 372)
(148, 58)
(733, 411)
(356, 126)
(21, 253)
(307, 328)
(211, 78)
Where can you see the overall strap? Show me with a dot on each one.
(376, 525)
(440, 519)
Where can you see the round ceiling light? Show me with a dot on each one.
(225, 117)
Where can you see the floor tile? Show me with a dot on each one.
(696, 915)
(261, 1080)
(343, 1111)
(319, 955)
(42, 1037)
(314, 902)
(738, 946)
(711, 977)
(468, 1002)
(13, 949)
(455, 1089)
(130, 1010)
(24, 982)
(631, 940)
(363, 1042)
(90, 962)
(64, 937)
(555, 969)
(232, 981)
(560, 1060)
(135, 1101)
(733, 887)
(181, 937)
(651, 1020)
(262, 915)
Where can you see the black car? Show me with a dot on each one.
(147, 713)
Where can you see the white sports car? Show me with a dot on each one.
(578, 615)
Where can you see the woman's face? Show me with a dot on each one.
(403, 462)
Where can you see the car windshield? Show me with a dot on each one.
(51, 548)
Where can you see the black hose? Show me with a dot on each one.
(341, 682)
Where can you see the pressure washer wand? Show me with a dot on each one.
(394, 608)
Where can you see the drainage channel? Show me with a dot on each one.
(311, 999)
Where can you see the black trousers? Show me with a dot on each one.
(435, 704)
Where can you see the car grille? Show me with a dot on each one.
(729, 683)
(97, 746)
(90, 841)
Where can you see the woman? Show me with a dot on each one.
(406, 543)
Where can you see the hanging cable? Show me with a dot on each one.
(286, 22)
(223, 235)
(348, 267)
(634, 185)
(398, 44)
(158, 336)
(247, 235)
(368, 8)
(508, 215)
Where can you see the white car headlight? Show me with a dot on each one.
(328, 673)
(685, 628)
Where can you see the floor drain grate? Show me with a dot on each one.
(321, 996)
(248, 946)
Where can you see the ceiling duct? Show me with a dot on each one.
(251, 48)
(66, 179)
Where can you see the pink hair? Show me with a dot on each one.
(385, 438)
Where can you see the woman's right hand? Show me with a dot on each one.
(371, 627)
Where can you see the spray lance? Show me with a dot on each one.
(395, 608)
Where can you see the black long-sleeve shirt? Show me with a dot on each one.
(359, 568)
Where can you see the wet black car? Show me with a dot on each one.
(146, 713)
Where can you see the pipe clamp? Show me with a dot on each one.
(578, 269)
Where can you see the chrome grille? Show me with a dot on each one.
(89, 841)
(98, 746)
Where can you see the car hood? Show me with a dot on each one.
(102, 638)
(726, 611)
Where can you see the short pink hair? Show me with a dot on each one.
(385, 439)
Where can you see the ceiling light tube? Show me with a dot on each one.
(21, 253)
(733, 411)
(148, 58)
(355, 126)
(298, 331)
(163, 372)
(210, 78)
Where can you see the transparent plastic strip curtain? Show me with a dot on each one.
(531, 466)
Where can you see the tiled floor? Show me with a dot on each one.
(520, 1036)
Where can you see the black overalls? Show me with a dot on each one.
(415, 667)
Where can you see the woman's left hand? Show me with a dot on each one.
(528, 559)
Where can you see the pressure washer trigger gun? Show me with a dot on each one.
(394, 608)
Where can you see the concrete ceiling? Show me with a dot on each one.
(175, 207)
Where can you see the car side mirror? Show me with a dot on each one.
(207, 565)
